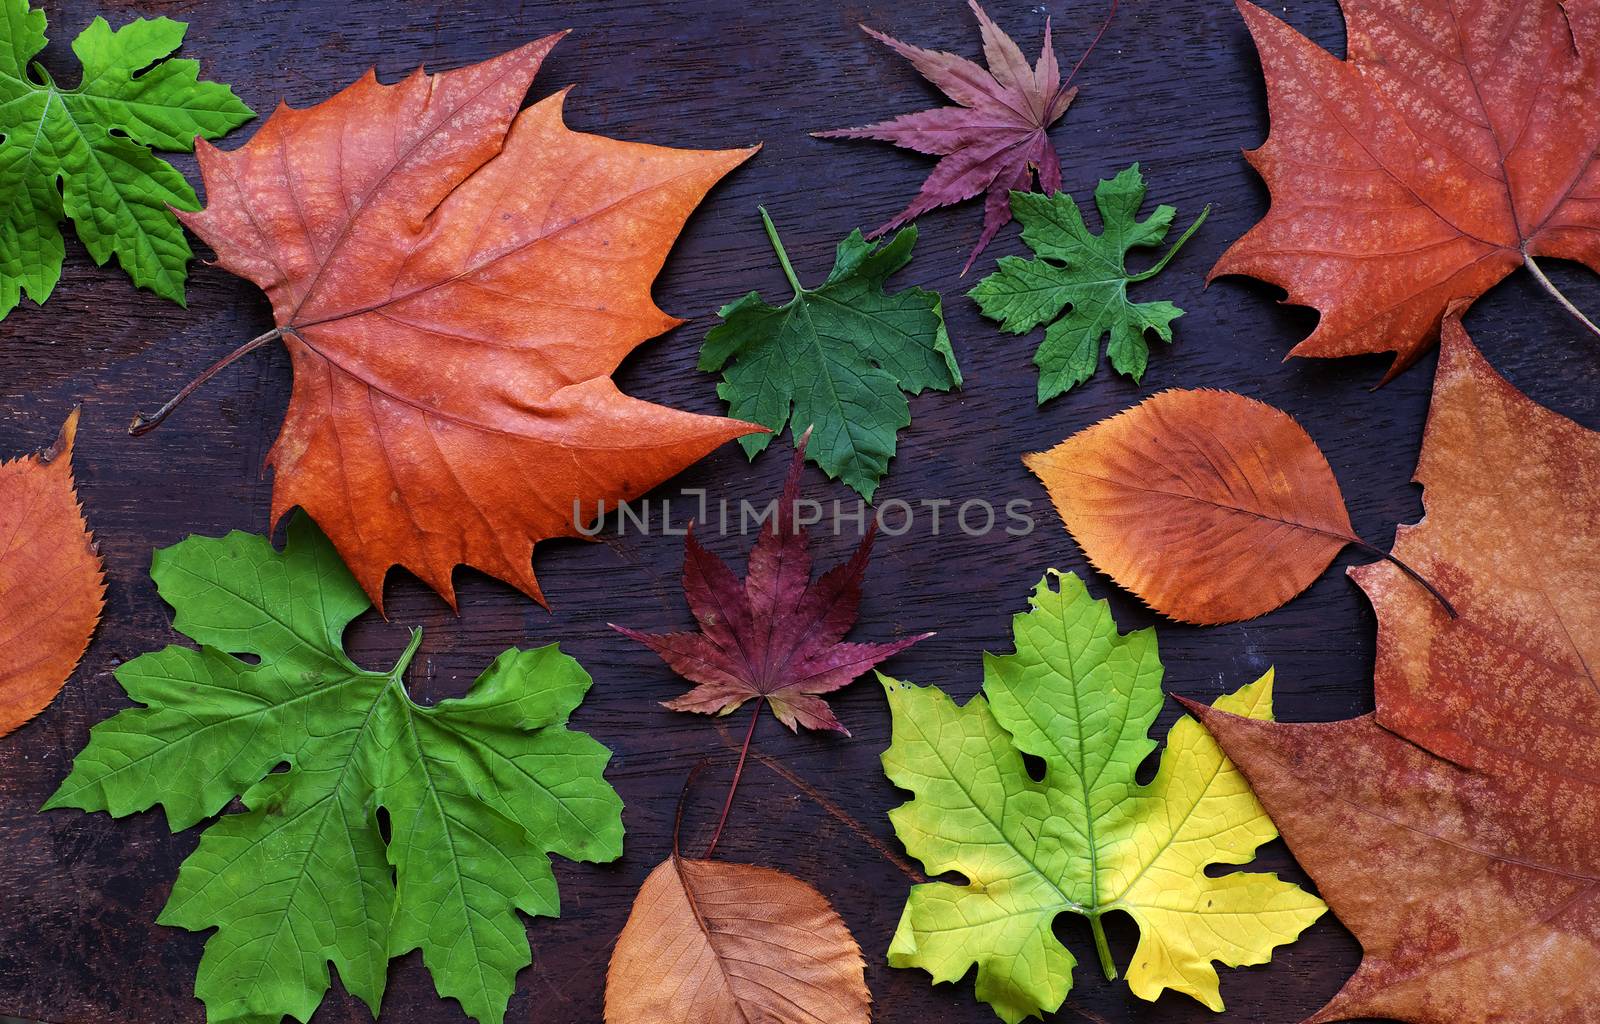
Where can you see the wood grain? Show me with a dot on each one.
(1174, 85)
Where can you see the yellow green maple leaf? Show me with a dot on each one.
(1087, 838)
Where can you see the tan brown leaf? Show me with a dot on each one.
(52, 589)
(711, 942)
(1476, 900)
(1512, 537)
(1210, 506)
(1456, 831)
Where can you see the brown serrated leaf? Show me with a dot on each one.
(1210, 506)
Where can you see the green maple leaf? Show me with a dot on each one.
(1087, 276)
(477, 791)
(838, 358)
(84, 153)
(1087, 839)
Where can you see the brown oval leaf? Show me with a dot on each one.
(51, 588)
(1210, 506)
(710, 942)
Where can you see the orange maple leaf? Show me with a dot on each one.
(52, 590)
(1453, 144)
(455, 283)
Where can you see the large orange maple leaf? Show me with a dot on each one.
(455, 283)
(1456, 831)
(1454, 143)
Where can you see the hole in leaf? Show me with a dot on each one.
(1146, 772)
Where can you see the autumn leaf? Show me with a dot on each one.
(84, 153)
(1511, 493)
(1087, 839)
(1453, 144)
(477, 791)
(455, 283)
(1469, 798)
(52, 590)
(777, 637)
(837, 358)
(1210, 506)
(710, 942)
(994, 141)
(1079, 283)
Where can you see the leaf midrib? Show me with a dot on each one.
(1350, 538)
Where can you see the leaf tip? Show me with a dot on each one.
(65, 439)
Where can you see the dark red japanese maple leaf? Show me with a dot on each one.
(993, 142)
(776, 637)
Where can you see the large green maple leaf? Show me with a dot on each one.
(1087, 276)
(477, 791)
(83, 153)
(837, 358)
(1088, 839)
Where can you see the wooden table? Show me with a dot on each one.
(1175, 85)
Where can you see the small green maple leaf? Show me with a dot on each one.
(84, 153)
(1086, 275)
(478, 791)
(838, 358)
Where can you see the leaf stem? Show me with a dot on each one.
(744, 752)
(1566, 303)
(1102, 947)
(683, 797)
(1153, 271)
(144, 423)
(1449, 608)
(1112, 13)
(399, 670)
(777, 247)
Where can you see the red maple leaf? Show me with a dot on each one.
(778, 635)
(993, 142)
(1454, 143)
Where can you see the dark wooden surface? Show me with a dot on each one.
(1174, 85)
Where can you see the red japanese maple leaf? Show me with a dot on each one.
(994, 142)
(778, 635)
